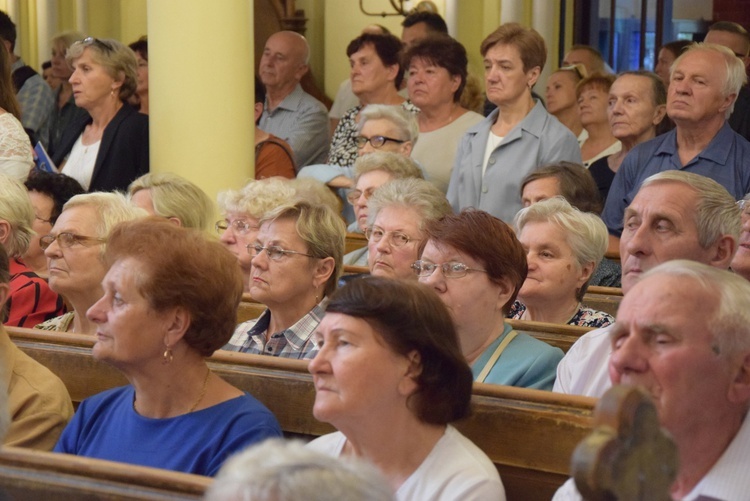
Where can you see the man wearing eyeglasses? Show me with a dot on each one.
(289, 112)
(34, 95)
(30, 301)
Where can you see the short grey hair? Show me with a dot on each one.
(175, 196)
(735, 76)
(110, 209)
(398, 166)
(717, 213)
(16, 209)
(730, 322)
(278, 470)
(417, 194)
(257, 197)
(404, 121)
(585, 232)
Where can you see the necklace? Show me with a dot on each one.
(200, 397)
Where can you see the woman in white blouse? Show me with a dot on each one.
(15, 148)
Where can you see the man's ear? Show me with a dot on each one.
(723, 252)
(739, 389)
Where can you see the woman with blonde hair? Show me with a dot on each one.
(173, 197)
(296, 262)
(107, 149)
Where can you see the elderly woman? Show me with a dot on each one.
(140, 48)
(297, 260)
(563, 248)
(391, 378)
(48, 192)
(561, 98)
(64, 111)
(593, 95)
(170, 300)
(373, 171)
(398, 214)
(637, 104)
(30, 299)
(173, 197)
(741, 260)
(75, 254)
(437, 77)
(517, 137)
(476, 265)
(107, 149)
(242, 211)
(376, 75)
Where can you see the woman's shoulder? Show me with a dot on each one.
(455, 469)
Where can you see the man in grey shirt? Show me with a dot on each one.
(289, 112)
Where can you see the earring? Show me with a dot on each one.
(167, 357)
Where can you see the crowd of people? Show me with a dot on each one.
(470, 221)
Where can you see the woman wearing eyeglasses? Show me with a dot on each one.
(476, 265)
(372, 171)
(242, 210)
(296, 262)
(437, 77)
(376, 75)
(75, 254)
(399, 212)
(561, 98)
(108, 148)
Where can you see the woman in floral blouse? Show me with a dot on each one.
(563, 247)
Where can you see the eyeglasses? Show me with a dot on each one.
(744, 206)
(452, 269)
(275, 253)
(375, 141)
(354, 195)
(376, 234)
(95, 41)
(66, 240)
(238, 226)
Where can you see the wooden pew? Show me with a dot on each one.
(528, 434)
(606, 303)
(562, 336)
(354, 241)
(604, 291)
(28, 475)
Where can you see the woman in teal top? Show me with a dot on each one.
(477, 265)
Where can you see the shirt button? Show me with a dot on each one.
(484, 189)
(491, 161)
(269, 348)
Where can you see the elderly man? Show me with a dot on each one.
(38, 402)
(675, 215)
(705, 81)
(683, 335)
(289, 112)
(736, 38)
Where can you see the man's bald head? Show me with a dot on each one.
(284, 61)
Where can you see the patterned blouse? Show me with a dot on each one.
(343, 148)
(584, 317)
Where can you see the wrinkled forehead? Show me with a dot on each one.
(667, 198)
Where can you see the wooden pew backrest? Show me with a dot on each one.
(33, 475)
(528, 434)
